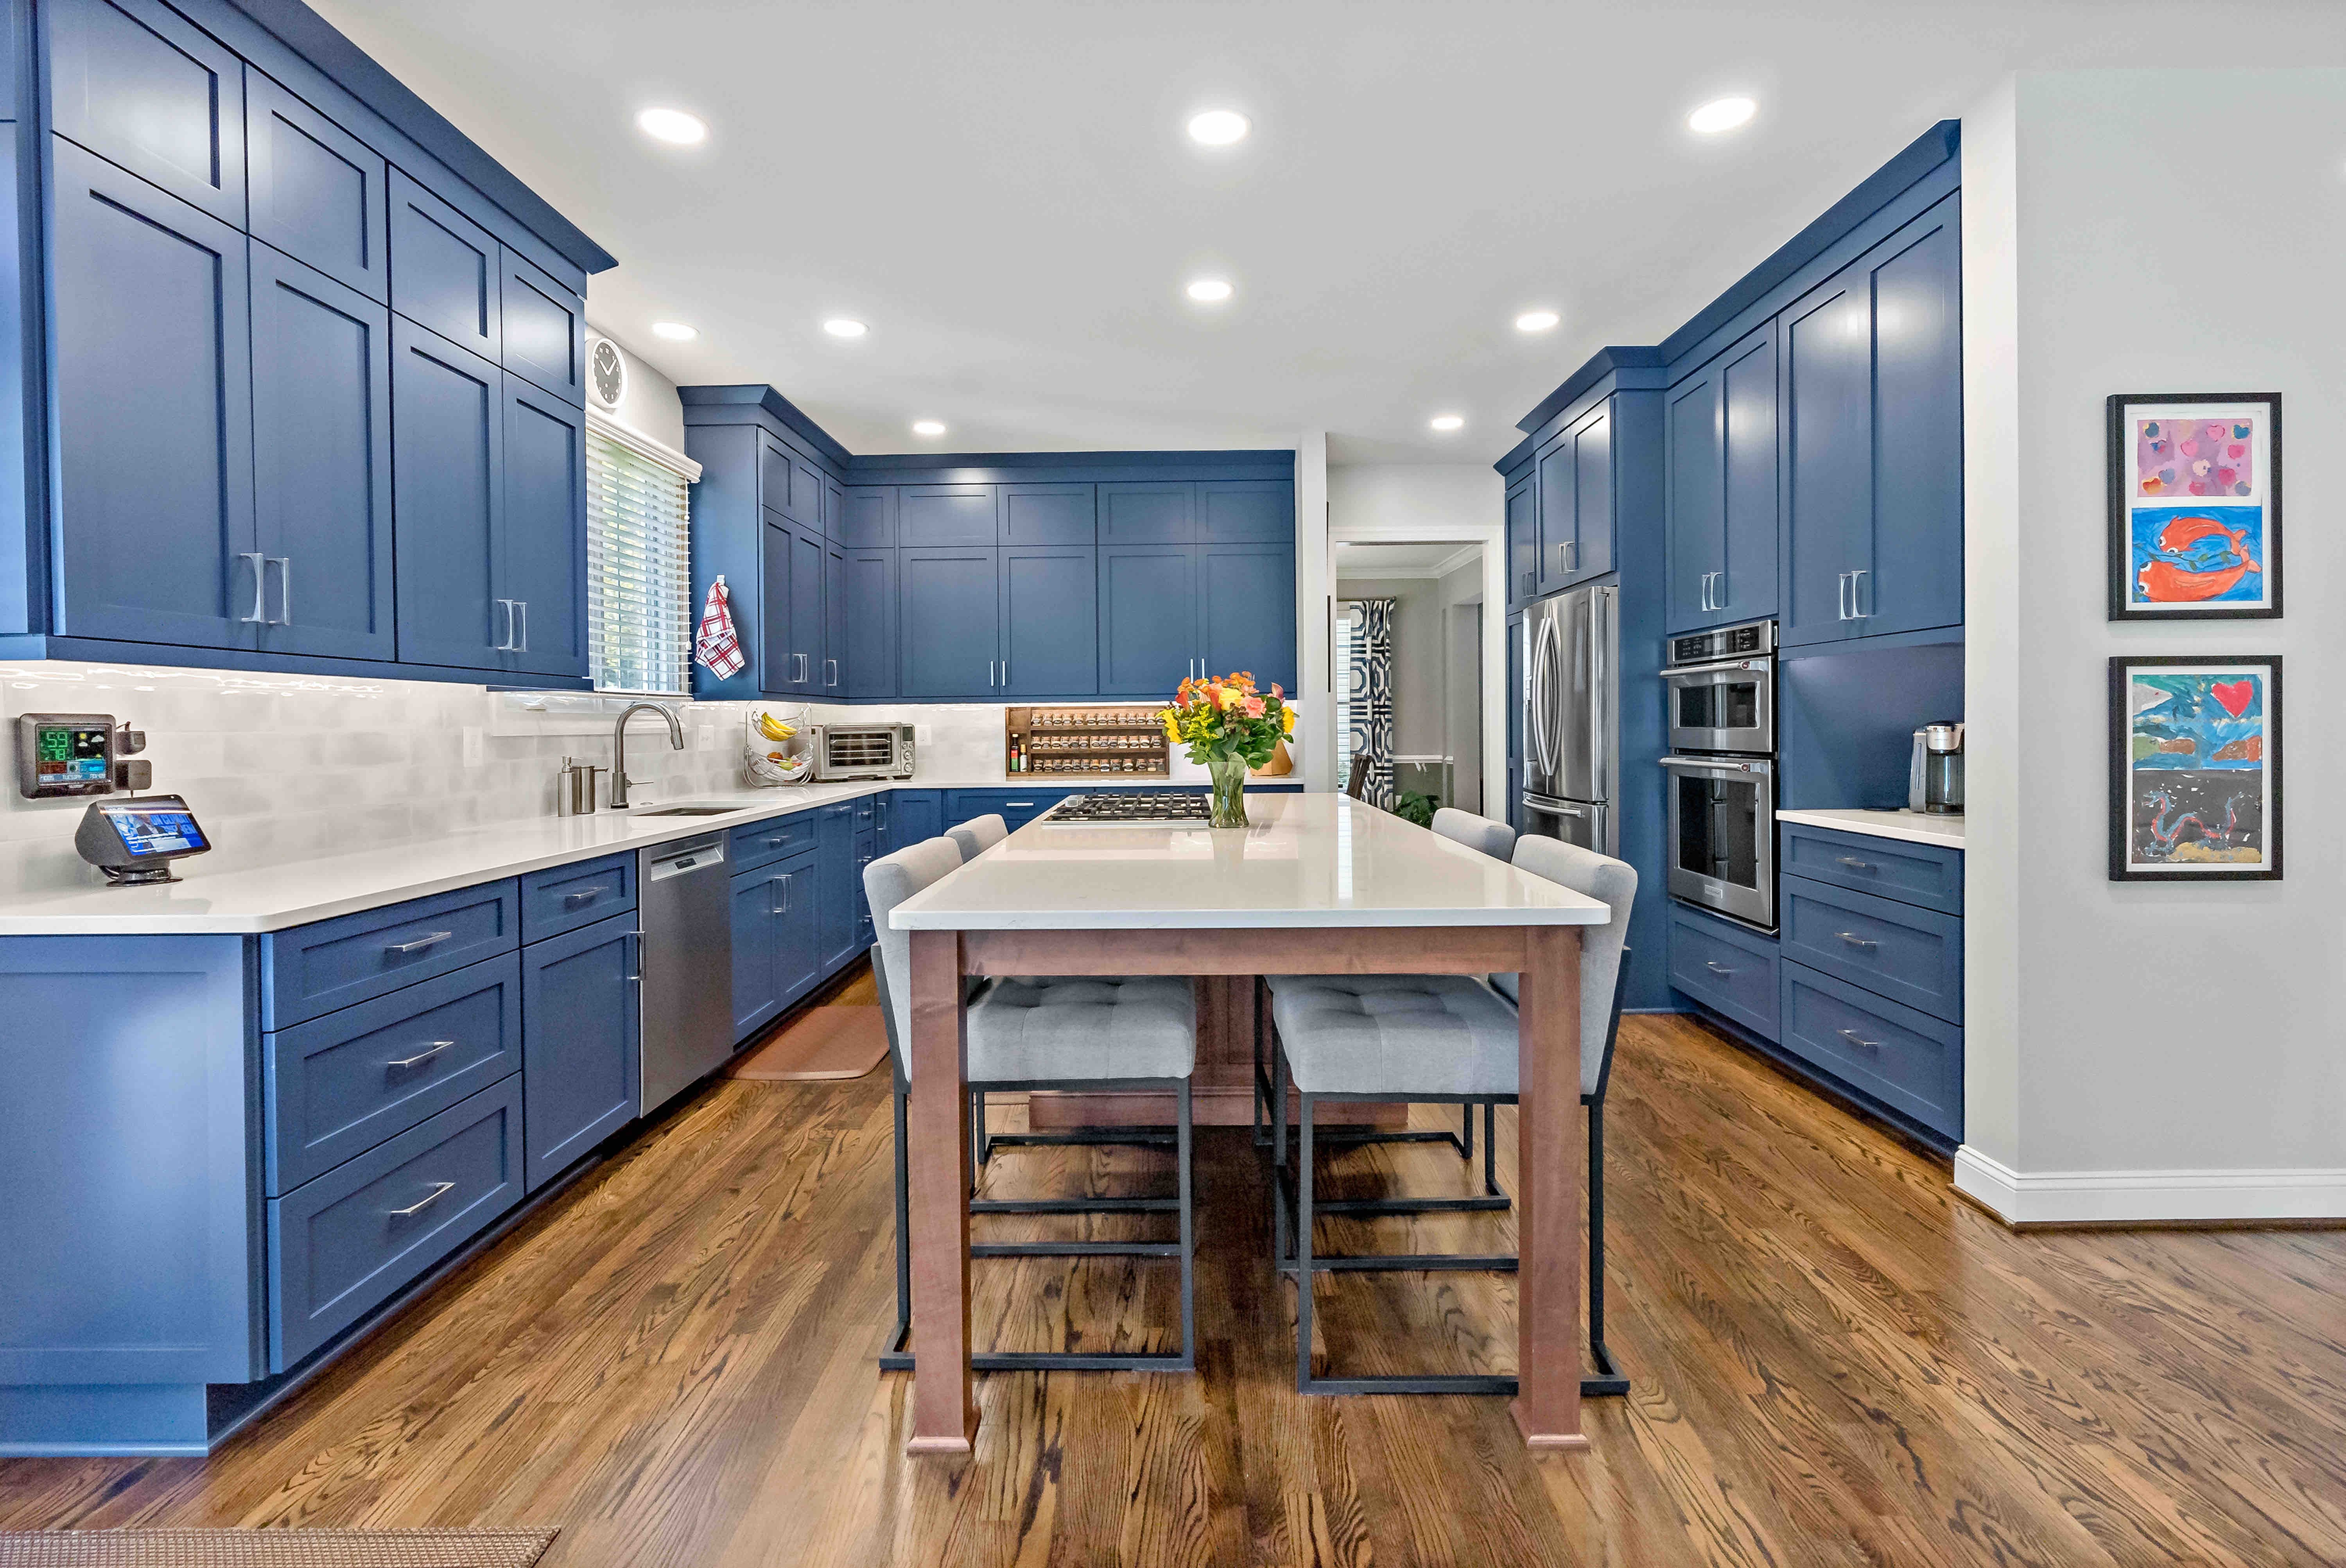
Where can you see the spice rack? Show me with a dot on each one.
(1089, 741)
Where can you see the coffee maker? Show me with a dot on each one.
(1934, 776)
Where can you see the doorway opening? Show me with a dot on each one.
(1408, 678)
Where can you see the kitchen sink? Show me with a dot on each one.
(688, 811)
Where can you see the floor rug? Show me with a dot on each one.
(827, 1042)
(273, 1548)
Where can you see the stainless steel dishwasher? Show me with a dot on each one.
(688, 966)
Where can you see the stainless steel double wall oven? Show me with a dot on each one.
(1722, 690)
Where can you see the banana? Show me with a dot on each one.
(773, 728)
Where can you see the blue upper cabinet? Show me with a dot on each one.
(1523, 540)
(318, 193)
(544, 328)
(1247, 612)
(1693, 436)
(1148, 612)
(1871, 402)
(138, 83)
(149, 328)
(1720, 439)
(867, 520)
(867, 647)
(1048, 515)
(1557, 499)
(444, 268)
(1243, 511)
(1574, 498)
(808, 552)
(766, 619)
(1050, 619)
(946, 514)
(1148, 512)
(949, 616)
(448, 501)
(541, 553)
(322, 462)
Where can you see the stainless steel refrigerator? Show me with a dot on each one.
(1572, 719)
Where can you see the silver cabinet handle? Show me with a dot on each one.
(783, 881)
(1703, 593)
(798, 669)
(505, 643)
(1852, 1036)
(1841, 605)
(420, 944)
(830, 665)
(582, 898)
(1863, 944)
(524, 646)
(1529, 578)
(1717, 968)
(284, 564)
(1856, 587)
(1018, 802)
(1854, 864)
(437, 1046)
(259, 570)
(1005, 674)
(636, 939)
(439, 1190)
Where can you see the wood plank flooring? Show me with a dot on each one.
(1836, 1361)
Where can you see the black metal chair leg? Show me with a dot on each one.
(1303, 1250)
(1608, 1382)
(1466, 1135)
(1188, 1240)
(1490, 1148)
(896, 1357)
(1277, 1155)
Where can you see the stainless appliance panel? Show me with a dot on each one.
(1572, 700)
(1722, 835)
(862, 752)
(687, 960)
(1588, 823)
(1729, 705)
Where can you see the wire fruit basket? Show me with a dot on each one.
(768, 763)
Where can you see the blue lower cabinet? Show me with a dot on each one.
(777, 947)
(1726, 968)
(357, 1236)
(754, 844)
(1908, 954)
(1923, 874)
(838, 881)
(336, 1086)
(913, 815)
(565, 897)
(1016, 807)
(867, 849)
(316, 969)
(1907, 1060)
(579, 1043)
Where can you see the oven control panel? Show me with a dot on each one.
(1727, 642)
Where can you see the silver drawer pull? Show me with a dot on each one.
(1018, 802)
(421, 943)
(439, 1190)
(583, 897)
(1854, 864)
(1852, 1036)
(1717, 968)
(437, 1046)
(1864, 944)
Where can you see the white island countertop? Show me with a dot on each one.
(1307, 861)
(1913, 827)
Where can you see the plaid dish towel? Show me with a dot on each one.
(717, 647)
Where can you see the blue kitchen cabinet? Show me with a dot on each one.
(789, 485)
(937, 515)
(579, 1043)
(1523, 540)
(914, 815)
(838, 879)
(867, 849)
(1246, 511)
(1050, 619)
(1150, 511)
(949, 616)
(317, 193)
(778, 924)
(1574, 490)
(1016, 806)
(1247, 612)
(148, 329)
(791, 610)
(810, 554)
(322, 462)
(797, 928)
(1148, 608)
(1049, 514)
(542, 554)
(866, 646)
(834, 619)
(767, 616)
(135, 83)
(867, 518)
(834, 511)
(1720, 465)
(444, 270)
(542, 328)
(448, 501)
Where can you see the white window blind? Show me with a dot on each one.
(639, 610)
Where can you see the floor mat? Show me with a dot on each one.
(821, 1043)
(274, 1548)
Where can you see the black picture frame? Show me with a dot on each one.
(2124, 868)
(2122, 607)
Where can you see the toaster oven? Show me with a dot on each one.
(862, 752)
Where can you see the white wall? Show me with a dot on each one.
(650, 406)
(2146, 1051)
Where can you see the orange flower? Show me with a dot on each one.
(1254, 707)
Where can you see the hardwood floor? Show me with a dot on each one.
(1836, 1361)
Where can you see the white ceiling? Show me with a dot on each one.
(1004, 191)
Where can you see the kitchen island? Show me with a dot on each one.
(1319, 884)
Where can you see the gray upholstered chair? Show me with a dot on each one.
(1495, 840)
(1439, 1037)
(979, 834)
(1025, 1035)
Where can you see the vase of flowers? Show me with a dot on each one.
(1229, 727)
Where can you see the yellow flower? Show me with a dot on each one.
(1287, 720)
(1172, 728)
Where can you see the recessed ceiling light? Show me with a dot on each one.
(844, 327)
(1720, 114)
(1210, 290)
(1219, 127)
(928, 427)
(1536, 321)
(1448, 421)
(673, 126)
(675, 331)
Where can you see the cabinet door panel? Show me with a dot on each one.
(133, 81)
(1693, 435)
(579, 1043)
(835, 874)
(1523, 541)
(1232, 511)
(806, 494)
(545, 544)
(807, 561)
(1592, 484)
(1050, 620)
(542, 329)
(1827, 404)
(796, 930)
(868, 517)
(321, 461)
(444, 269)
(774, 476)
(834, 511)
(1148, 613)
(945, 514)
(1918, 522)
(1559, 499)
(1248, 611)
(1048, 515)
(318, 191)
(1148, 512)
(1746, 587)
(448, 501)
(833, 674)
(756, 997)
(776, 556)
(151, 326)
(948, 621)
(871, 635)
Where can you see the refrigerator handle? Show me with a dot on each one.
(1600, 671)
(1541, 637)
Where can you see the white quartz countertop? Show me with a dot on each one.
(267, 898)
(1913, 827)
(1307, 861)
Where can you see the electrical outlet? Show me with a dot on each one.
(475, 748)
(706, 740)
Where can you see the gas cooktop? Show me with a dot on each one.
(1111, 808)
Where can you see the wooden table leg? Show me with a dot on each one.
(944, 1409)
(1551, 1152)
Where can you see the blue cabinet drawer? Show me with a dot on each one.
(1016, 807)
(336, 1086)
(1726, 968)
(563, 898)
(1905, 1059)
(315, 968)
(351, 1239)
(1921, 874)
(756, 843)
(1898, 951)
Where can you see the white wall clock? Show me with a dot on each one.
(607, 371)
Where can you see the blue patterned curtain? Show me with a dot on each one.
(1369, 709)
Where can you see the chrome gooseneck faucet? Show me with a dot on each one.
(620, 780)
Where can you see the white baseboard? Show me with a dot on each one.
(2120, 1198)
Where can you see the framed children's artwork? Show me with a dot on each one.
(2195, 506)
(2195, 768)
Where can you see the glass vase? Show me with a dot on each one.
(1229, 790)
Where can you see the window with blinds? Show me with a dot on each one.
(638, 570)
